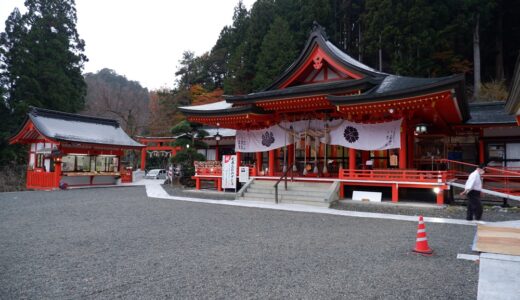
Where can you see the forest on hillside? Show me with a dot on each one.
(406, 37)
(423, 38)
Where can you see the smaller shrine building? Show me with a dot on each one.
(72, 149)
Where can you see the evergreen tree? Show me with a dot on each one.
(42, 57)
(277, 52)
(238, 76)
(41, 60)
(188, 135)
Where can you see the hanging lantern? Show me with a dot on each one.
(421, 128)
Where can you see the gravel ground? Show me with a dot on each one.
(116, 242)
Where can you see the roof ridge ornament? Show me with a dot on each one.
(316, 27)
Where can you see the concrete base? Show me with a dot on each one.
(499, 277)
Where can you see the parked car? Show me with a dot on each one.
(156, 174)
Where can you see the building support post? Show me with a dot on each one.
(481, 151)
(239, 159)
(440, 197)
(395, 193)
(272, 155)
(365, 155)
(143, 159)
(402, 150)
(290, 156)
(411, 151)
(351, 161)
(217, 154)
(57, 174)
(259, 162)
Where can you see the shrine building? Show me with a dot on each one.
(73, 150)
(331, 118)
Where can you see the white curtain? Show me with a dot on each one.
(260, 140)
(379, 136)
(359, 136)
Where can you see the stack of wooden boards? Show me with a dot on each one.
(501, 238)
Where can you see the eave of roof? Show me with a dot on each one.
(49, 123)
(489, 113)
(319, 37)
(42, 112)
(236, 110)
(305, 90)
(401, 87)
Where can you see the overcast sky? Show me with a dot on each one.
(144, 40)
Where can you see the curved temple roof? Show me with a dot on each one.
(354, 82)
(60, 126)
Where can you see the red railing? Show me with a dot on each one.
(500, 179)
(396, 175)
(217, 171)
(41, 180)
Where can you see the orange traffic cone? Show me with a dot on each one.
(421, 244)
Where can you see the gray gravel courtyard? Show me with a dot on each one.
(116, 242)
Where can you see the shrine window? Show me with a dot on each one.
(107, 163)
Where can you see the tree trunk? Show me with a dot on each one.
(360, 53)
(499, 44)
(380, 55)
(476, 59)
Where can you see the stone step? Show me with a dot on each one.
(293, 183)
(282, 191)
(246, 198)
(289, 201)
(294, 186)
(288, 197)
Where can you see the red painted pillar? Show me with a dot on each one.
(402, 150)
(272, 159)
(333, 151)
(259, 162)
(239, 159)
(57, 174)
(351, 160)
(217, 154)
(481, 151)
(290, 156)
(395, 193)
(365, 155)
(143, 159)
(277, 158)
(411, 151)
(440, 197)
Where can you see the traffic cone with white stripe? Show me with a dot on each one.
(421, 243)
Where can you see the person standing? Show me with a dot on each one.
(472, 190)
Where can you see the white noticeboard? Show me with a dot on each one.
(363, 196)
(243, 174)
(229, 171)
